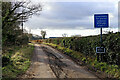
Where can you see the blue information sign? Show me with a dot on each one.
(101, 20)
(100, 50)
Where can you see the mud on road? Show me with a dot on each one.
(48, 62)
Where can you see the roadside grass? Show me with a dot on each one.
(17, 63)
(31, 44)
(112, 70)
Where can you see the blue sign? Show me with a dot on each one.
(101, 21)
(100, 50)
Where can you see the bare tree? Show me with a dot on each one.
(64, 35)
(43, 33)
(13, 14)
(18, 11)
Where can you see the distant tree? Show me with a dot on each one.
(64, 35)
(43, 33)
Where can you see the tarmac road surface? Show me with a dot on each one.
(48, 62)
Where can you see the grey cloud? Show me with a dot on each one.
(70, 15)
(79, 10)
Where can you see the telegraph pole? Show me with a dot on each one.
(29, 34)
(22, 23)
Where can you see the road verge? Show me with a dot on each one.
(18, 62)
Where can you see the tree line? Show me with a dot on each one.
(13, 16)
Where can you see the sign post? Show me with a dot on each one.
(101, 36)
(101, 21)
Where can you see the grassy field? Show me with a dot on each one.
(18, 62)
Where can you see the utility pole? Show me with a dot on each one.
(29, 34)
(22, 23)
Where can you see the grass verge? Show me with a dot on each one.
(112, 71)
(17, 63)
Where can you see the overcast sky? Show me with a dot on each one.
(72, 18)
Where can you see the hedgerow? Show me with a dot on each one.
(84, 49)
(112, 71)
(87, 46)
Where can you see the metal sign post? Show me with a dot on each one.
(101, 21)
(101, 36)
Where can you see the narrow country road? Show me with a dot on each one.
(50, 63)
